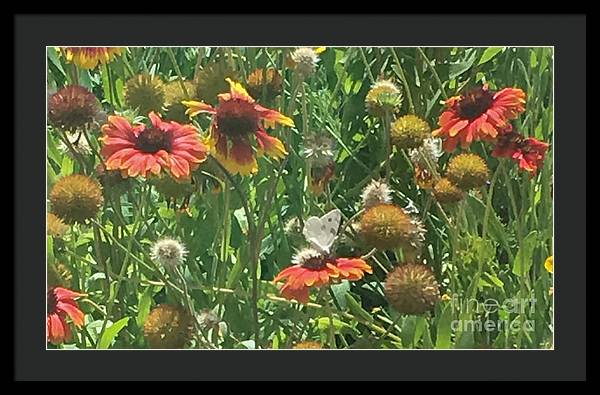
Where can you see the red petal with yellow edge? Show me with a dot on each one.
(273, 116)
(270, 145)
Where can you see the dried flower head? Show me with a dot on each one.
(319, 149)
(387, 226)
(76, 198)
(412, 289)
(383, 98)
(168, 252)
(72, 107)
(212, 81)
(145, 93)
(428, 153)
(305, 60)
(267, 81)
(56, 227)
(376, 192)
(446, 192)
(467, 171)
(174, 95)
(409, 132)
(167, 326)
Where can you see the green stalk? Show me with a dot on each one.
(366, 62)
(124, 266)
(411, 105)
(435, 74)
(177, 70)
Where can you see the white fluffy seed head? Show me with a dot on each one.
(169, 253)
(430, 151)
(376, 192)
(318, 149)
(305, 60)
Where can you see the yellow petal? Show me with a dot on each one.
(319, 50)
(549, 264)
(238, 90)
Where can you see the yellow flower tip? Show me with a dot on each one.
(446, 297)
(237, 88)
(320, 50)
(287, 121)
(549, 264)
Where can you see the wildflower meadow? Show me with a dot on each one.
(300, 198)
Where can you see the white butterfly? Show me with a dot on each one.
(321, 232)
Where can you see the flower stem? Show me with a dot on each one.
(177, 70)
(366, 62)
(125, 264)
(411, 105)
(435, 74)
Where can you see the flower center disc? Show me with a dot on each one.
(316, 263)
(153, 140)
(475, 103)
(237, 118)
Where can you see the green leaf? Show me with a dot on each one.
(144, 307)
(357, 310)
(524, 257)
(53, 56)
(323, 324)
(459, 68)
(339, 292)
(408, 331)
(238, 267)
(489, 54)
(67, 166)
(444, 331)
(111, 333)
(50, 249)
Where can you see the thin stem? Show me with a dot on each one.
(366, 62)
(411, 105)
(177, 70)
(435, 74)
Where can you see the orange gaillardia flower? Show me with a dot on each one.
(61, 304)
(138, 150)
(479, 114)
(528, 152)
(236, 121)
(89, 57)
(313, 269)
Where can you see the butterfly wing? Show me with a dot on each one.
(321, 232)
